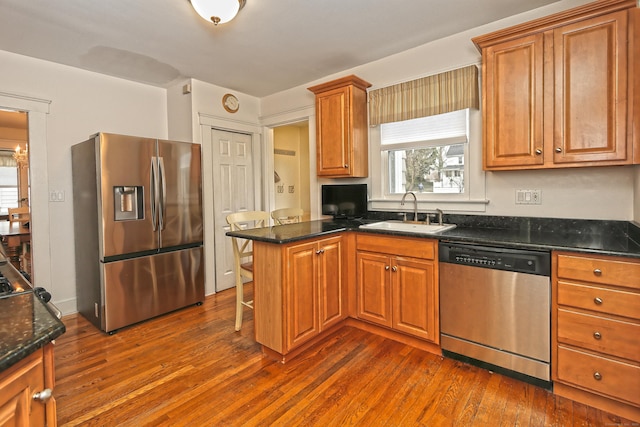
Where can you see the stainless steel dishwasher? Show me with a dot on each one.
(495, 309)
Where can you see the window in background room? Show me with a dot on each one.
(425, 155)
(8, 182)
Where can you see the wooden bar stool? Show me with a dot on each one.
(287, 215)
(242, 254)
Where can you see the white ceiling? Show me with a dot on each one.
(270, 46)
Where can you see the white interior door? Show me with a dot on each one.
(233, 191)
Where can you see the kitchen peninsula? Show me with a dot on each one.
(27, 331)
(300, 296)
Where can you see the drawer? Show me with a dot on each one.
(616, 379)
(600, 334)
(598, 270)
(400, 246)
(602, 300)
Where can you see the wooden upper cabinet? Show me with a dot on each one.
(513, 102)
(341, 128)
(556, 91)
(591, 90)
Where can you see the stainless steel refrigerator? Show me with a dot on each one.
(137, 206)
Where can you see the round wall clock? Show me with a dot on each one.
(230, 103)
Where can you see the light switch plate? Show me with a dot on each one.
(528, 197)
(56, 196)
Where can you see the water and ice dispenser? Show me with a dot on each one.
(128, 203)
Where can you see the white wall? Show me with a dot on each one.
(595, 193)
(82, 103)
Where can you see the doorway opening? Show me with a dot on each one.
(15, 189)
(292, 167)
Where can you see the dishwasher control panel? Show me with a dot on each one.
(518, 260)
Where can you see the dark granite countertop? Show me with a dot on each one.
(26, 325)
(620, 238)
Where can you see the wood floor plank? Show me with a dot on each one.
(191, 368)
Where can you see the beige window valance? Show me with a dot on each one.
(6, 159)
(428, 96)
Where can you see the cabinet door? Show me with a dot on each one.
(333, 130)
(591, 90)
(513, 103)
(331, 292)
(301, 311)
(374, 290)
(17, 386)
(415, 298)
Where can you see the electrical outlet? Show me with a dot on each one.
(528, 197)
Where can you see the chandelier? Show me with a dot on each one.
(218, 11)
(21, 156)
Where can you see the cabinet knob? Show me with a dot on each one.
(43, 395)
(386, 267)
(558, 150)
(597, 376)
(346, 166)
(597, 301)
(394, 268)
(597, 335)
(597, 272)
(538, 151)
(319, 251)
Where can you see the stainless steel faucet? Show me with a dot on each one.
(428, 217)
(439, 216)
(415, 203)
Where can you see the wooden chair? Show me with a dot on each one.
(20, 214)
(242, 250)
(287, 215)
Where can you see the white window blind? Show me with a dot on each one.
(442, 129)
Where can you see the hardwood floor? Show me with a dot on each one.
(191, 368)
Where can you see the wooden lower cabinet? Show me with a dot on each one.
(596, 331)
(298, 291)
(395, 290)
(313, 289)
(20, 386)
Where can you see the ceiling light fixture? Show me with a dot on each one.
(217, 11)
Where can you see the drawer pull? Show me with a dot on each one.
(43, 396)
(597, 376)
(597, 300)
(597, 335)
(597, 272)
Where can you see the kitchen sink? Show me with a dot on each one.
(409, 227)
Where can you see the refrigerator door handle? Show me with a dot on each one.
(162, 205)
(153, 186)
